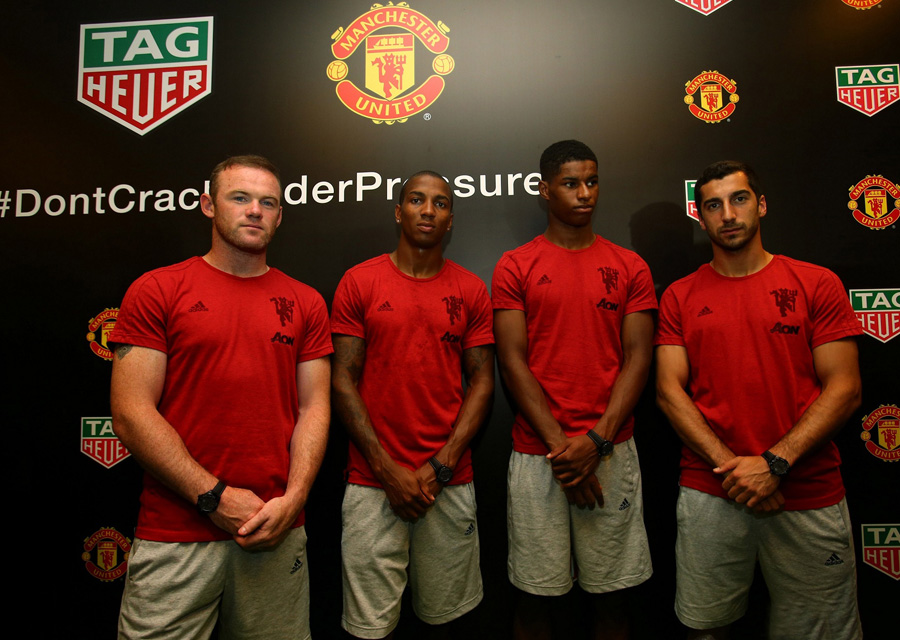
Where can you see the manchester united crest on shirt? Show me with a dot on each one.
(711, 96)
(875, 202)
(881, 432)
(394, 43)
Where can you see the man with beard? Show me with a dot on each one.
(757, 370)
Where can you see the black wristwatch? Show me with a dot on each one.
(777, 465)
(208, 502)
(604, 446)
(443, 473)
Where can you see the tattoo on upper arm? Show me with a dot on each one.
(476, 357)
(122, 350)
(350, 354)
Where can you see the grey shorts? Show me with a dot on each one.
(179, 589)
(806, 557)
(608, 544)
(439, 554)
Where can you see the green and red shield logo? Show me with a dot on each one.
(99, 442)
(868, 88)
(140, 74)
(689, 205)
(878, 311)
(705, 7)
(881, 548)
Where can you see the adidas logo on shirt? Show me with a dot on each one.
(705, 311)
(385, 306)
(544, 280)
(198, 307)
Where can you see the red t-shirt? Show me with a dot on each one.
(574, 303)
(749, 341)
(415, 331)
(233, 345)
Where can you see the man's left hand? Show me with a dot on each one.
(428, 482)
(268, 527)
(748, 479)
(574, 460)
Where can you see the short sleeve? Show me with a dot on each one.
(481, 328)
(507, 291)
(317, 338)
(641, 294)
(668, 329)
(142, 317)
(833, 317)
(347, 312)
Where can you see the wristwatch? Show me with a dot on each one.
(208, 502)
(604, 446)
(443, 473)
(777, 465)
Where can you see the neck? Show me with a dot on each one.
(416, 262)
(735, 264)
(571, 238)
(237, 263)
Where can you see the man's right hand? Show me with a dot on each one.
(236, 506)
(586, 493)
(404, 493)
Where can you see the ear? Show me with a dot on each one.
(280, 212)
(207, 206)
(397, 213)
(762, 206)
(544, 189)
(450, 223)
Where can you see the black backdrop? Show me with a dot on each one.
(611, 73)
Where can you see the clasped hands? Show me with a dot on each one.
(574, 462)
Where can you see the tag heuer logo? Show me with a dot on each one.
(388, 34)
(868, 89)
(881, 548)
(143, 73)
(689, 205)
(861, 4)
(881, 432)
(878, 195)
(104, 323)
(705, 7)
(878, 311)
(99, 442)
(106, 554)
(709, 89)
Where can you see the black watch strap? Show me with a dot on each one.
(604, 446)
(208, 502)
(442, 472)
(777, 465)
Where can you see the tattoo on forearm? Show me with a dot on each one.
(122, 350)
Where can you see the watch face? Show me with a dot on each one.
(779, 466)
(207, 502)
(606, 449)
(445, 474)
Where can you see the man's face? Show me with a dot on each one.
(572, 193)
(730, 211)
(425, 215)
(247, 208)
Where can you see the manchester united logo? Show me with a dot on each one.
(387, 37)
(861, 4)
(106, 554)
(870, 202)
(99, 329)
(711, 97)
(881, 432)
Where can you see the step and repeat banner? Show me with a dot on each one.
(114, 113)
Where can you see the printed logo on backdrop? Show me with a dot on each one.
(99, 442)
(878, 194)
(388, 35)
(689, 205)
(881, 432)
(705, 7)
(99, 328)
(106, 554)
(878, 311)
(861, 4)
(868, 88)
(881, 548)
(711, 97)
(140, 74)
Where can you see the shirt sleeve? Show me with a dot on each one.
(506, 286)
(481, 328)
(317, 335)
(641, 294)
(669, 330)
(833, 317)
(347, 312)
(142, 317)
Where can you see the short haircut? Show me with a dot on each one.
(426, 172)
(723, 168)
(559, 153)
(252, 161)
